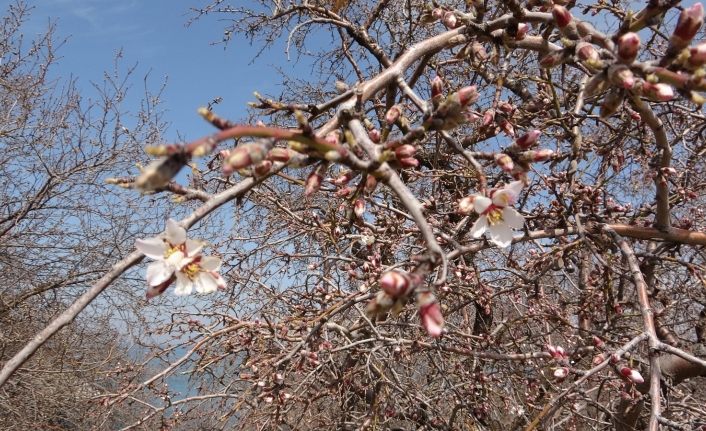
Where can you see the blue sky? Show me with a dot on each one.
(154, 35)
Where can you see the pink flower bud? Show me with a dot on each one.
(430, 314)
(561, 373)
(437, 88)
(690, 21)
(409, 162)
(587, 52)
(313, 183)
(263, 167)
(359, 208)
(243, 156)
(333, 138)
(450, 20)
(528, 139)
(614, 358)
(488, 117)
(465, 205)
(632, 375)
(393, 114)
(437, 13)
(344, 178)
(504, 162)
(522, 30)
(405, 151)
(598, 342)
(467, 95)
(371, 183)
(552, 59)
(562, 16)
(539, 155)
(395, 283)
(598, 359)
(342, 193)
(628, 45)
(374, 135)
(697, 55)
(660, 91)
(621, 76)
(279, 155)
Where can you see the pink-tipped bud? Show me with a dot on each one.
(562, 16)
(430, 314)
(359, 208)
(587, 52)
(450, 20)
(405, 151)
(466, 205)
(392, 115)
(374, 135)
(598, 359)
(409, 162)
(313, 183)
(528, 139)
(279, 155)
(561, 373)
(621, 76)
(628, 46)
(690, 21)
(598, 342)
(371, 183)
(697, 55)
(342, 193)
(263, 167)
(552, 59)
(632, 375)
(395, 283)
(437, 13)
(660, 92)
(243, 156)
(344, 178)
(437, 88)
(522, 30)
(504, 162)
(488, 117)
(614, 358)
(333, 138)
(541, 155)
(467, 95)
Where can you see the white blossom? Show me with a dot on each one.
(496, 215)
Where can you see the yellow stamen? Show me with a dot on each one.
(494, 216)
(191, 270)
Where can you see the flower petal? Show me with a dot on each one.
(210, 263)
(175, 234)
(479, 227)
(158, 272)
(183, 285)
(507, 195)
(500, 234)
(154, 248)
(481, 203)
(205, 283)
(193, 247)
(512, 218)
(177, 260)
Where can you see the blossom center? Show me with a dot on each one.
(494, 214)
(173, 249)
(191, 270)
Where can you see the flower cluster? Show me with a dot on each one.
(179, 259)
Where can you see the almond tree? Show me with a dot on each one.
(471, 215)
